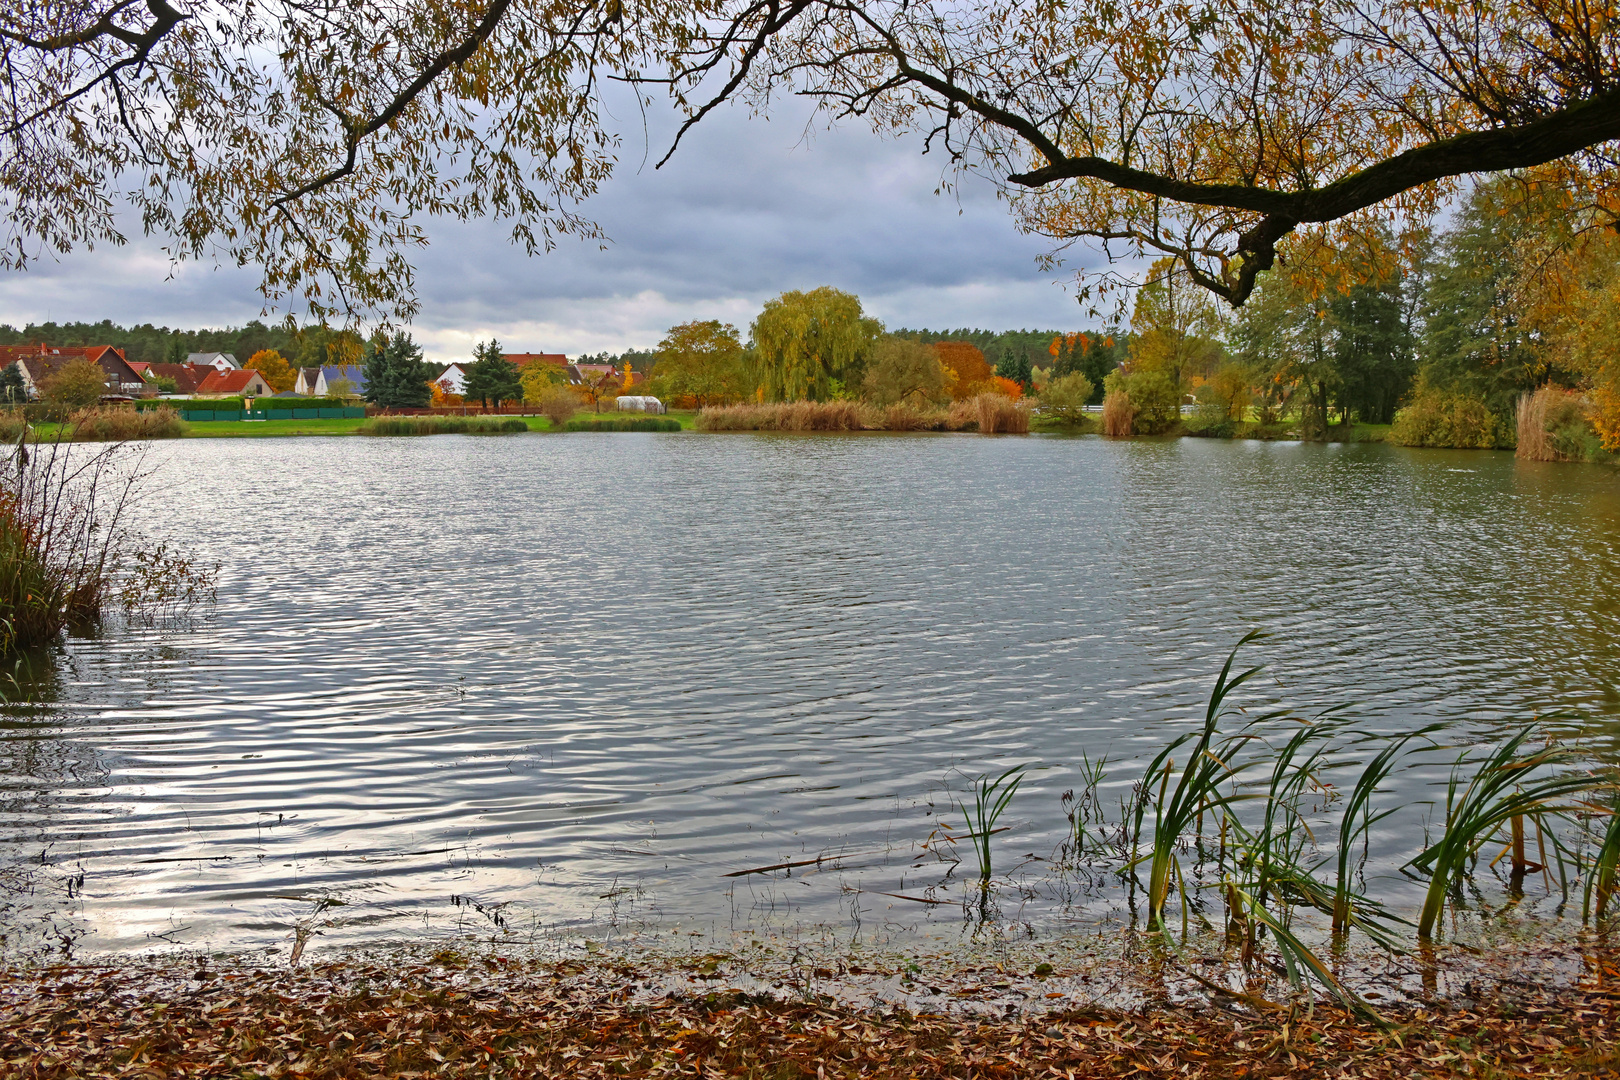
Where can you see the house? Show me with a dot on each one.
(36, 362)
(238, 382)
(327, 382)
(305, 383)
(219, 361)
(187, 377)
(454, 376)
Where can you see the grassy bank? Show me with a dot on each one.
(495, 1014)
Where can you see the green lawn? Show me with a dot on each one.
(261, 429)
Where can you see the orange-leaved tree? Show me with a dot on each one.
(273, 368)
(967, 372)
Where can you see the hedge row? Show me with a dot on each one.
(185, 405)
(623, 423)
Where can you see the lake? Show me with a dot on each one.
(564, 684)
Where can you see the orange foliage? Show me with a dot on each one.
(443, 397)
(1007, 386)
(967, 372)
(1080, 342)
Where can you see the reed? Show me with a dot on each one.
(789, 416)
(1601, 881)
(1507, 785)
(1532, 424)
(114, 424)
(1118, 415)
(990, 798)
(903, 416)
(442, 425)
(1001, 415)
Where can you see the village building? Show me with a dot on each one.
(241, 382)
(331, 379)
(36, 362)
(219, 361)
(187, 377)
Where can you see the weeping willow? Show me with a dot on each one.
(807, 345)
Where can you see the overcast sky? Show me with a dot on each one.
(745, 210)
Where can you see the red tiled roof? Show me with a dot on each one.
(186, 377)
(227, 382)
(55, 354)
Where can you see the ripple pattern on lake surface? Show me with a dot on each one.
(574, 680)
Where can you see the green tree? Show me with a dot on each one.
(1065, 397)
(1015, 364)
(902, 370)
(703, 361)
(491, 377)
(77, 384)
(12, 388)
(1373, 356)
(1475, 340)
(808, 344)
(396, 376)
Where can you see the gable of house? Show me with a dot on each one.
(331, 374)
(243, 382)
(219, 361)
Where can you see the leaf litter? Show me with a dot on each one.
(1534, 1011)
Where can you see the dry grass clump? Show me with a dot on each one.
(1119, 415)
(12, 425)
(989, 413)
(1001, 415)
(789, 416)
(905, 417)
(1555, 425)
(115, 424)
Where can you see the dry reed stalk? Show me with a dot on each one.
(1001, 415)
(1532, 418)
(1118, 413)
(790, 416)
(113, 424)
(904, 417)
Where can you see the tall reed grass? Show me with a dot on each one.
(1118, 415)
(1237, 809)
(115, 424)
(442, 425)
(65, 554)
(988, 413)
(790, 416)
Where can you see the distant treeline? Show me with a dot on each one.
(161, 344)
(999, 346)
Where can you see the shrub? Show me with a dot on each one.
(1064, 398)
(1441, 418)
(1001, 415)
(1118, 413)
(13, 422)
(442, 425)
(557, 403)
(115, 424)
(1211, 423)
(1156, 399)
(624, 423)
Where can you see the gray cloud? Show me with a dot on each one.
(745, 209)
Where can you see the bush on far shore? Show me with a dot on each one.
(988, 413)
(442, 425)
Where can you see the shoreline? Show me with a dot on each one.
(589, 1010)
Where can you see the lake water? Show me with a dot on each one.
(544, 684)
